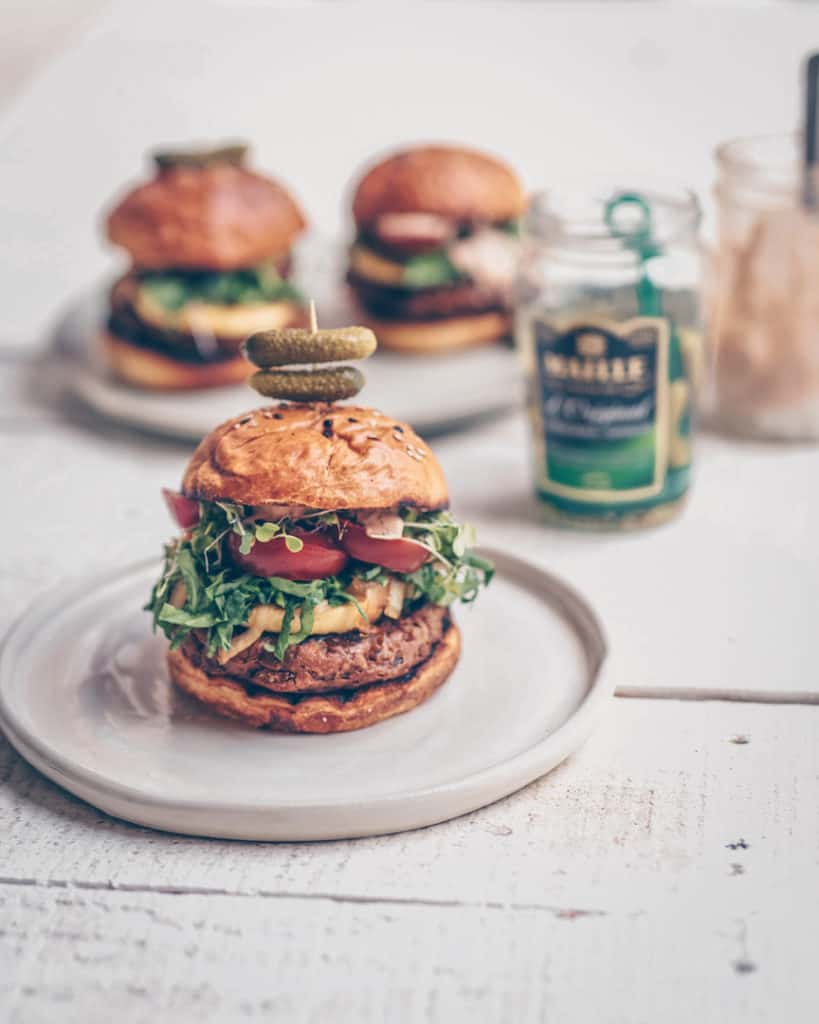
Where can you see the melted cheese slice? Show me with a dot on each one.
(267, 618)
(234, 322)
(373, 267)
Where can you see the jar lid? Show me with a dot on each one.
(612, 215)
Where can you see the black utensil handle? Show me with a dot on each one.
(811, 130)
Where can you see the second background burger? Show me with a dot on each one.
(436, 249)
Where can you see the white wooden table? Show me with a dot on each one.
(667, 872)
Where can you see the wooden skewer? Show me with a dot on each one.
(313, 318)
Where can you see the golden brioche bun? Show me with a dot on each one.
(462, 184)
(321, 456)
(428, 337)
(151, 370)
(218, 217)
(320, 712)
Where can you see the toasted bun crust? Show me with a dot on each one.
(151, 370)
(428, 337)
(318, 713)
(462, 184)
(320, 456)
(219, 217)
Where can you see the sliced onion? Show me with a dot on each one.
(489, 257)
(382, 525)
(396, 591)
(414, 231)
(275, 513)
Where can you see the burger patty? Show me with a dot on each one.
(126, 323)
(392, 648)
(425, 303)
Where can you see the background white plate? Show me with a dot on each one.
(435, 394)
(85, 697)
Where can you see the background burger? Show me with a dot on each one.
(435, 255)
(210, 243)
(310, 588)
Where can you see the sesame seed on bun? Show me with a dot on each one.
(318, 456)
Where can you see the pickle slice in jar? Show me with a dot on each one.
(165, 159)
(302, 345)
(309, 385)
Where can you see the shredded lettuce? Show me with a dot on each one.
(173, 289)
(430, 270)
(219, 597)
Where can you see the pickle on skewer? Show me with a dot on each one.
(302, 345)
(168, 158)
(309, 385)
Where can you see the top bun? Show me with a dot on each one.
(210, 214)
(461, 184)
(319, 456)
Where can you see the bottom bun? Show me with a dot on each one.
(152, 370)
(445, 335)
(319, 713)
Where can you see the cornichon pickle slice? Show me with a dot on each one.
(167, 158)
(309, 385)
(302, 345)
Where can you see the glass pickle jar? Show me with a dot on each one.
(608, 323)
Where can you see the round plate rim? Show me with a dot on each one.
(105, 398)
(506, 776)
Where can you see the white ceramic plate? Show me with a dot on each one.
(434, 394)
(85, 697)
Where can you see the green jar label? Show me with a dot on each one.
(602, 405)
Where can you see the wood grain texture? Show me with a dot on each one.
(667, 872)
(650, 807)
(720, 600)
(87, 957)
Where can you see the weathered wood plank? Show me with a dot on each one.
(97, 957)
(80, 500)
(722, 599)
(687, 608)
(651, 806)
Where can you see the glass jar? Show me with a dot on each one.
(763, 312)
(608, 324)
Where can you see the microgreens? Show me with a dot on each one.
(173, 289)
(429, 270)
(219, 597)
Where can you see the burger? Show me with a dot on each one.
(310, 587)
(209, 242)
(435, 254)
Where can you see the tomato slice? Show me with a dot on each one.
(400, 555)
(184, 510)
(320, 557)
